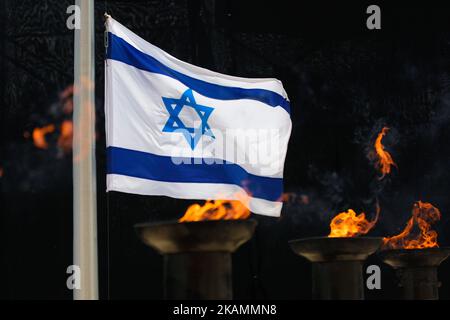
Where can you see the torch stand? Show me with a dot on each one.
(417, 270)
(197, 255)
(336, 265)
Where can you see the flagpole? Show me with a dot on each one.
(84, 170)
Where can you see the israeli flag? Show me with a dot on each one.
(178, 130)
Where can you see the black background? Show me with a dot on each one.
(345, 83)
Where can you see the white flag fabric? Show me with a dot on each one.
(182, 131)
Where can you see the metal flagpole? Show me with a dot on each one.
(84, 171)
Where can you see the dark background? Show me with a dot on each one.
(344, 82)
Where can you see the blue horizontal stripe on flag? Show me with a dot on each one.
(145, 165)
(120, 50)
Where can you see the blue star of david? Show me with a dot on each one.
(174, 123)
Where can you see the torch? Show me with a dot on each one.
(415, 254)
(197, 249)
(337, 259)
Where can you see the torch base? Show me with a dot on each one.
(198, 276)
(339, 280)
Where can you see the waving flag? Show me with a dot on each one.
(182, 131)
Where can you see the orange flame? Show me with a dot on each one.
(217, 210)
(417, 233)
(65, 138)
(1, 172)
(349, 224)
(385, 161)
(39, 136)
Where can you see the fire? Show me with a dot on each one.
(417, 233)
(62, 129)
(350, 224)
(217, 210)
(385, 161)
(65, 138)
(39, 136)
